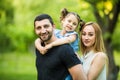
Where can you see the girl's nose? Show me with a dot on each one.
(71, 24)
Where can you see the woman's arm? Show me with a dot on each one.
(97, 66)
(39, 46)
(77, 72)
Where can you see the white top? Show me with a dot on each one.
(87, 60)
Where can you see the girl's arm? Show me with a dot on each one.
(97, 65)
(61, 41)
(39, 46)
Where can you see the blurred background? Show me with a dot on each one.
(17, 56)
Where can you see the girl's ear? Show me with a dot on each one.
(62, 21)
(54, 26)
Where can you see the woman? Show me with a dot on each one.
(92, 46)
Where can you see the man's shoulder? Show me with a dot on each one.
(65, 47)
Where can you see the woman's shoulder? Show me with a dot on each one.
(101, 55)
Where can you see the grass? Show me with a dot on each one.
(21, 66)
(17, 66)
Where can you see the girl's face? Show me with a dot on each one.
(70, 23)
(88, 36)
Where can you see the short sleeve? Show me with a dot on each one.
(68, 56)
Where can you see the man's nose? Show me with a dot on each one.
(43, 30)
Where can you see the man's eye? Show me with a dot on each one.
(38, 27)
(46, 26)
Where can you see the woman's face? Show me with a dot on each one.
(88, 36)
(70, 22)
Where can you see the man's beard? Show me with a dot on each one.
(46, 38)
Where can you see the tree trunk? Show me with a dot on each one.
(113, 68)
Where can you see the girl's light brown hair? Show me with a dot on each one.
(65, 12)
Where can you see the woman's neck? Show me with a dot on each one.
(88, 50)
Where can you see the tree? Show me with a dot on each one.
(6, 18)
(106, 13)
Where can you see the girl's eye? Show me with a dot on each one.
(69, 21)
(74, 24)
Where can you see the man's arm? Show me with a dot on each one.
(77, 72)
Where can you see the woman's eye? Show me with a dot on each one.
(90, 34)
(83, 33)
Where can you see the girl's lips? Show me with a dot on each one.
(69, 27)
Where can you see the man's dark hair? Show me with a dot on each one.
(43, 16)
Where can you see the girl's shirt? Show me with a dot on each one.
(87, 60)
(75, 44)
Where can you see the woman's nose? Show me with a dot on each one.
(86, 37)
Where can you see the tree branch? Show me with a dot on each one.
(112, 23)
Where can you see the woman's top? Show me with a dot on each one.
(87, 60)
(75, 44)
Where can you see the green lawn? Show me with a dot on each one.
(17, 66)
(21, 66)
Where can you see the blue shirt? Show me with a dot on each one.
(74, 44)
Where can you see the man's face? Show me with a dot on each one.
(44, 29)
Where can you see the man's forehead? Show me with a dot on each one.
(42, 22)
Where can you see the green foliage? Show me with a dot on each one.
(17, 16)
(116, 37)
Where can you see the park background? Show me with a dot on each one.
(17, 56)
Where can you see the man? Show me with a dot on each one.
(59, 61)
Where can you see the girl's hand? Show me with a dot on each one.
(38, 45)
(49, 46)
(43, 50)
